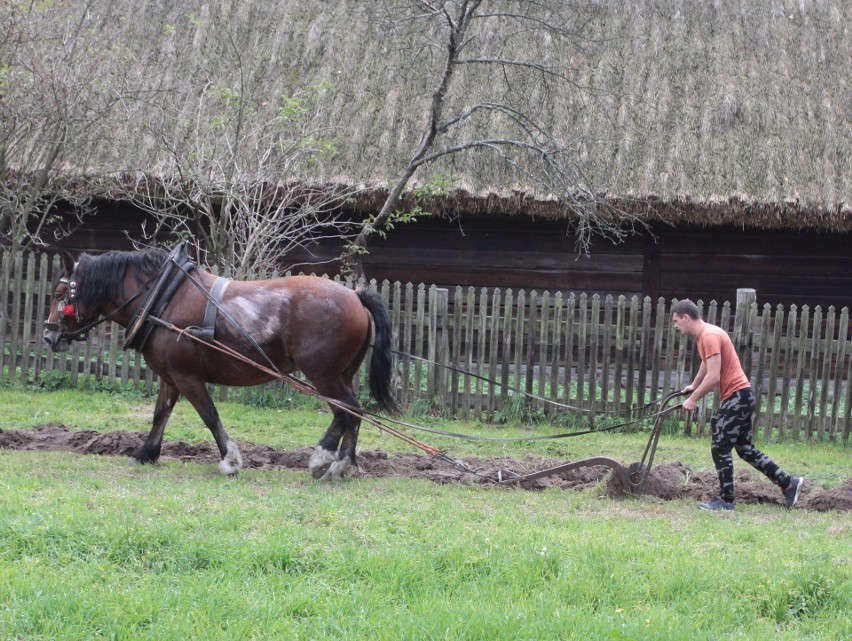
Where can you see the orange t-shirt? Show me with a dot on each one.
(715, 340)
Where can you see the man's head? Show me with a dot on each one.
(686, 317)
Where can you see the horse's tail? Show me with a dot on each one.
(381, 364)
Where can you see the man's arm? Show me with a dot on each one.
(702, 372)
(705, 381)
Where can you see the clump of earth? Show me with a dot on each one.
(666, 481)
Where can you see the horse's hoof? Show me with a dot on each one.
(145, 455)
(339, 470)
(135, 460)
(321, 460)
(228, 470)
(232, 462)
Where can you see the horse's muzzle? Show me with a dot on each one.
(56, 337)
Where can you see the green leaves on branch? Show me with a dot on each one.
(439, 186)
(396, 218)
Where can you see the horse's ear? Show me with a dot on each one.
(67, 262)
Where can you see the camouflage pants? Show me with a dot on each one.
(731, 429)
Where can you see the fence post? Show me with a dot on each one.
(439, 344)
(742, 344)
(5, 257)
(742, 325)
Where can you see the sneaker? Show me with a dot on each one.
(717, 504)
(791, 492)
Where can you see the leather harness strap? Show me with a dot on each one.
(208, 329)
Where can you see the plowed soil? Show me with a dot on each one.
(667, 481)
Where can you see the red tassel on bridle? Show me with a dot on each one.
(68, 311)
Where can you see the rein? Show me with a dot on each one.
(147, 315)
(381, 422)
(299, 385)
(375, 419)
(547, 437)
(529, 395)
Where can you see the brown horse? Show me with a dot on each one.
(305, 323)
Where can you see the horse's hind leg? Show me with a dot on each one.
(149, 451)
(327, 462)
(346, 452)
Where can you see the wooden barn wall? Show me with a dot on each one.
(506, 253)
(786, 267)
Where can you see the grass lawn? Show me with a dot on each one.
(92, 548)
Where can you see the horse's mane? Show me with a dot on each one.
(102, 276)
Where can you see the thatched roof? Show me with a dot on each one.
(709, 112)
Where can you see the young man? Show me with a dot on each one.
(731, 423)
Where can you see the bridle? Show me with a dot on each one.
(68, 307)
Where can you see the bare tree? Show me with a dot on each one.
(235, 177)
(96, 102)
(59, 80)
(496, 118)
(235, 185)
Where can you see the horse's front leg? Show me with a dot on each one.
(196, 393)
(149, 451)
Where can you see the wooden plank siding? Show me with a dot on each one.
(496, 253)
(599, 353)
(786, 267)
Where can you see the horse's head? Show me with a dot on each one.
(94, 289)
(66, 314)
